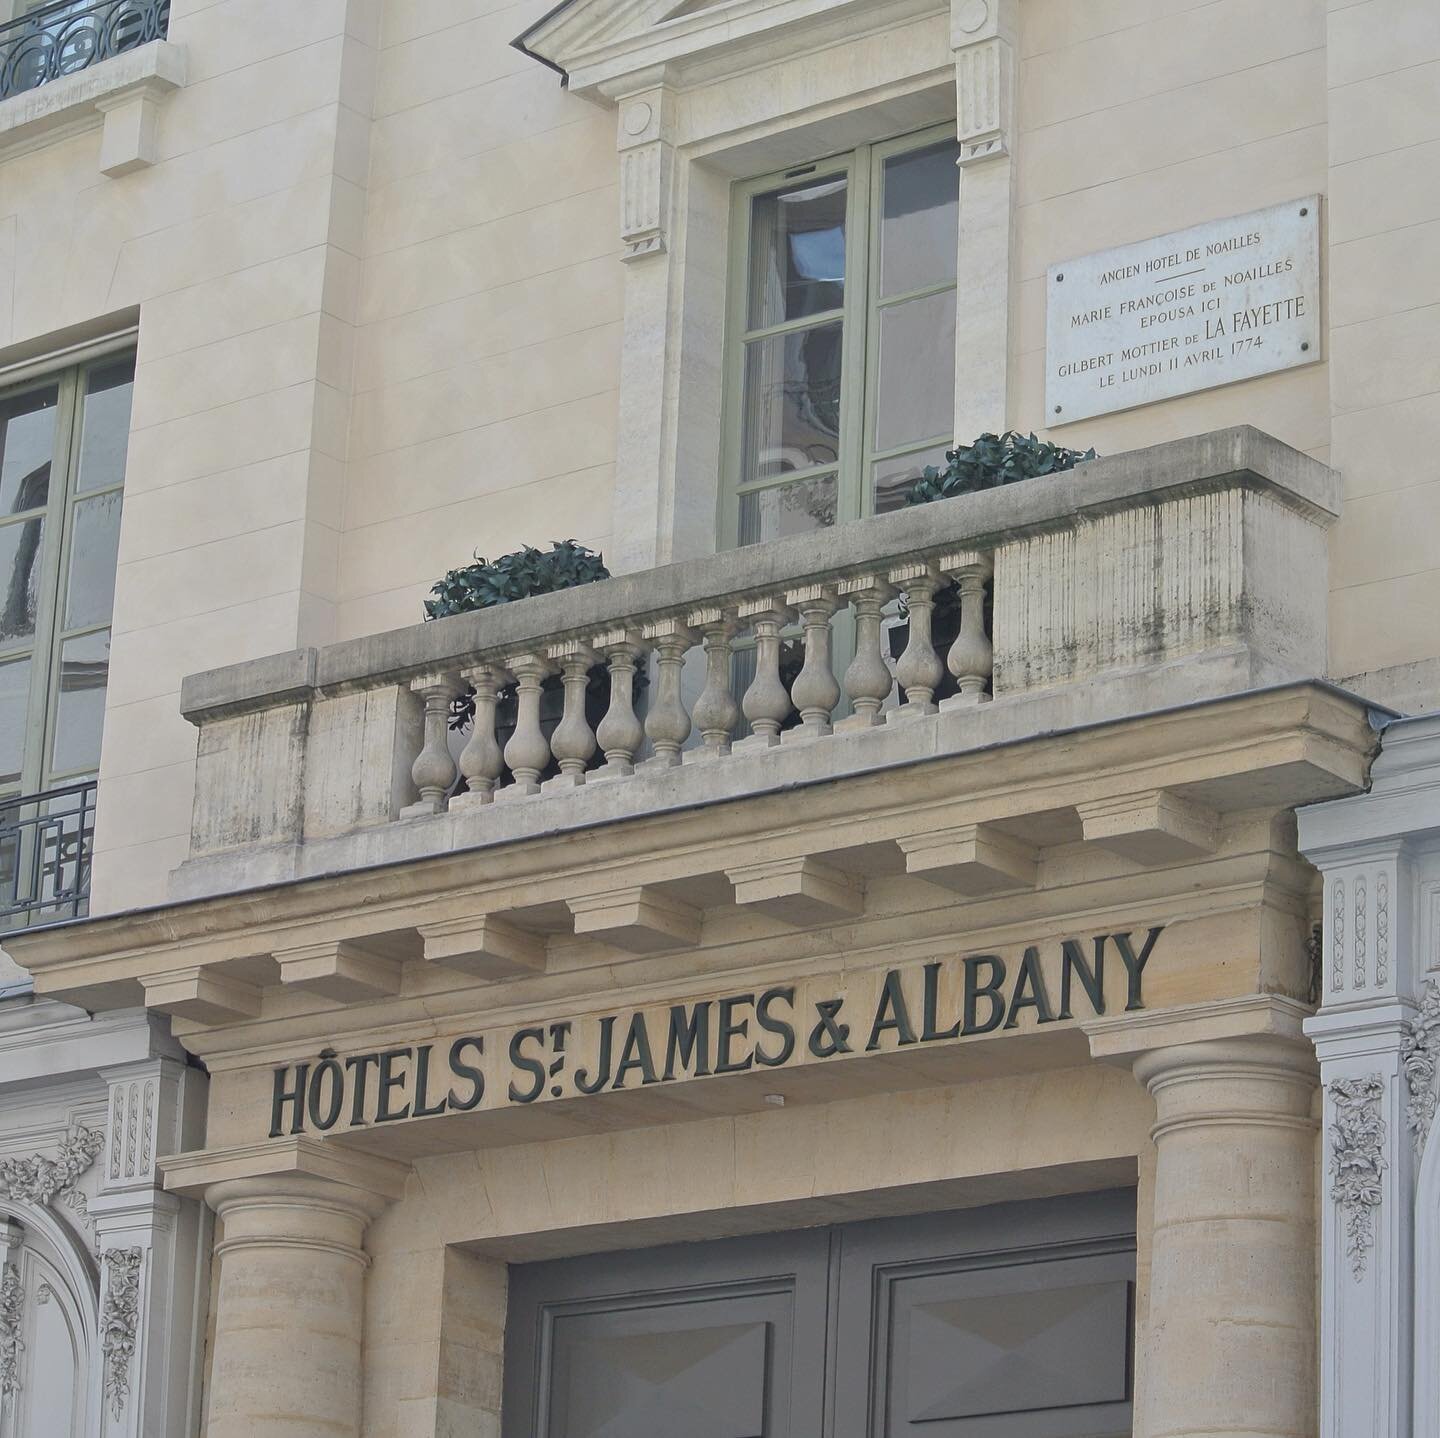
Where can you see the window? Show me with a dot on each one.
(841, 371)
(62, 469)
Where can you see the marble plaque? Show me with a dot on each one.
(1224, 301)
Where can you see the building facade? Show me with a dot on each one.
(854, 971)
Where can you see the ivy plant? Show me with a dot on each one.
(993, 460)
(527, 571)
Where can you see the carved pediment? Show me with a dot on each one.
(609, 48)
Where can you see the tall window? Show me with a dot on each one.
(62, 468)
(842, 360)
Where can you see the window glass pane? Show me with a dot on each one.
(798, 508)
(14, 700)
(94, 540)
(919, 219)
(916, 399)
(27, 445)
(80, 703)
(892, 477)
(797, 252)
(105, 425)
(20, 551)
(792, 402)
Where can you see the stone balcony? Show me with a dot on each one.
(1135, 583)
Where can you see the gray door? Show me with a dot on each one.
(1012, 1321)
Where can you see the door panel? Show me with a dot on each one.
(720, 1340)
(988, 1323)
(1012, 1321)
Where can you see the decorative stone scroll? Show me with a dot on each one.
(11, 1344)
(1357, 1161)
(1419, 1052)
(119, 1319)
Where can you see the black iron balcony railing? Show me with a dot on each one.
(70, 35)
(46, 844)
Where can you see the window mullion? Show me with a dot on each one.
(853, 372)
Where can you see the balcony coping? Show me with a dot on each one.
(1217, 460)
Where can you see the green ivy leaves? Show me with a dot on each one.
(514, 576)
(993, 460)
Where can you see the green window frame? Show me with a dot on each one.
(810, 440)
(63, 438)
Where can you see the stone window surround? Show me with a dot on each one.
(744, 87)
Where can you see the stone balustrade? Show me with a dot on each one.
(1139, 582)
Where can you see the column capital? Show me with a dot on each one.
(296, 1169)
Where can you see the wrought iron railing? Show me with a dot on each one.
(72, 35)
(46, 846)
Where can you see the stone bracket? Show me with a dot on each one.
(1157, 827)
(202, 995)
(799, 891)
(641, 920)
(345, 970)
(973, 859)
(484, 946)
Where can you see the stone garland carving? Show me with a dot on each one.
(1357, 1160)
(39, 1179)
(11, 1344)
(1337, 940)
(1419, 1054)
(1360, 979)
(119, 1318)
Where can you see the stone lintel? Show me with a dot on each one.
(1156, 827)
(641, 920)
(973, 859)
(798, 891)
(201, 995)
(346, 970)
(484, 946)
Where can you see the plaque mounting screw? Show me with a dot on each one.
(1304, 210)
(1304, 344)
(1059, 278)
(1057, 409)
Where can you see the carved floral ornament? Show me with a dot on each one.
(11, 1344)
(119, 1319)
(1357, 1161)
(42, 1180)
(1419, 1052)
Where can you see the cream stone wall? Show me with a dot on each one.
(376, 270)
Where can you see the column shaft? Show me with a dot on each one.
(1230, 1346)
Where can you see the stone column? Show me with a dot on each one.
(1227, 1342)
(289, 1307)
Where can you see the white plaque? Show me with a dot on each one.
(1207, 306)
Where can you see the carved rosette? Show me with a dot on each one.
(11, 1344)
(119, 1319)
(1357, 1161)
(1418, 1057)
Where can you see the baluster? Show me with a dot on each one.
(573, 741)
(620, 732)
(868, 679)
(527, 753)
(815, 692)
(766, 703)
(667, 724)
(480, 760)
(919, 669)
(716, 712)
(433, 770)
(972, 657)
